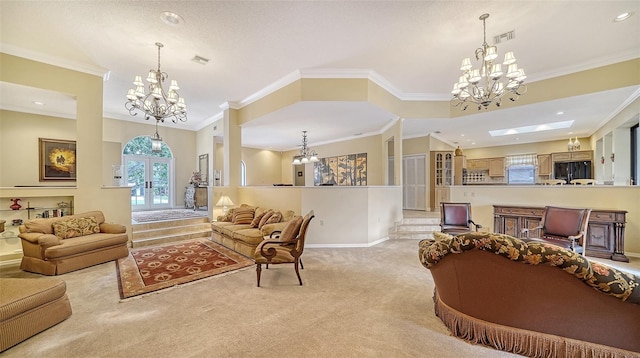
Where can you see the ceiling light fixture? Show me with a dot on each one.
(156, 141)
(623, 16)
(306, 154)
(489, 83)
(171, 18)
(156, 102)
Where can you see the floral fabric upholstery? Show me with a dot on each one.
(605, 279)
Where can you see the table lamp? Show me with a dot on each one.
(224, 201)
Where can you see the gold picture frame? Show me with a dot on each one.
(57, 159)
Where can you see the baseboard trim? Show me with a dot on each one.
(344, 246)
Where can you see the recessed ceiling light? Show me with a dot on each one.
(623, 16)
(171, 18)
(38, 103)
(356, 134)
(199, 59)
(559, 113)
(530, 129)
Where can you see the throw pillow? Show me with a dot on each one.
(66, 229)
(243, 216)
(257, 217)
(265, 218)
(291, 230)
(228, 216)
(275, 218)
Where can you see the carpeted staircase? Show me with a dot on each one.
(160, 232)
(417, 228)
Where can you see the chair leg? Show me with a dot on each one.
(301, 265)
(298, 272)
(258, 271)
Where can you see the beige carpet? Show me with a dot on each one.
(355, 302)
(167, 214)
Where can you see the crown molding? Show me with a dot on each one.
(53, 60)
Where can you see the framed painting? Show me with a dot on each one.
(57, 159)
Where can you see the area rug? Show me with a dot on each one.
(163, 215)
(154, 268)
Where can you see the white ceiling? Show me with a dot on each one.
(415, 47)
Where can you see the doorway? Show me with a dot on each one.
(149, 175)
(414, 189)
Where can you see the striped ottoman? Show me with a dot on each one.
(28, 306)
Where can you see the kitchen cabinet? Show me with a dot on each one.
(572, 156)
(605, 231)
(544, 164)
(477, 164)
(496, 167)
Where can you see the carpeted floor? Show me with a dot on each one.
(163, 215)
(154, 268)
(355, 302)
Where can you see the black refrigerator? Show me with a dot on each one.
(572, 170)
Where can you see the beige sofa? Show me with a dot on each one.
(55, 246)
(242, 229)
(534, 299)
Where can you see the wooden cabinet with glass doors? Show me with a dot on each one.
(441, 178)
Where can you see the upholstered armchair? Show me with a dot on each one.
(455, 218)
(285, 248)
(564, 227)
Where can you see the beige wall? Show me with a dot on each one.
(263, 166)
(19, 151)
(527, 148)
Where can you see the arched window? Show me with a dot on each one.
(243, 173)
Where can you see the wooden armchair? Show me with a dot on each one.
(563, 227)
(455, 218)
(285, 249)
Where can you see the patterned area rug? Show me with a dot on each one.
(153, 268)
(163, 215)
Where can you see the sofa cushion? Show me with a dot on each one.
(265, 218)
(74, 227)
(228, 230)
(45, 225)
(249, 236)
(81, 245)
(243, 216)
(228, 216)
(257, 217)
(275, 218)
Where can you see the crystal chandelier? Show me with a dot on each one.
(306, 154)
(489, 83)
(156, 102)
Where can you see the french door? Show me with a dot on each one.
(150, 181)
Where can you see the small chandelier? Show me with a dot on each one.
(156, 102)
(156, 141)
(487, 84)
(306, 154)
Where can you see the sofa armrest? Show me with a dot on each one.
(108, 228)
(32, 237)
(48, 240)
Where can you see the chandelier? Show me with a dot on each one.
(306, 154)
(156, 102)
(489, 83)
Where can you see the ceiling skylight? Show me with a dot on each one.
(530, 129)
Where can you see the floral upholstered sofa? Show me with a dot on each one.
(242, 229)
(54, 246)
(534, 299)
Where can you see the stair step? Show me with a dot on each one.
(168, 223)
(416, 227)
(427, 221)
(411, 235)
(162, 239)
(169, 230)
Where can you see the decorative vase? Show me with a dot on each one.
(458, 151)
(15, 205)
